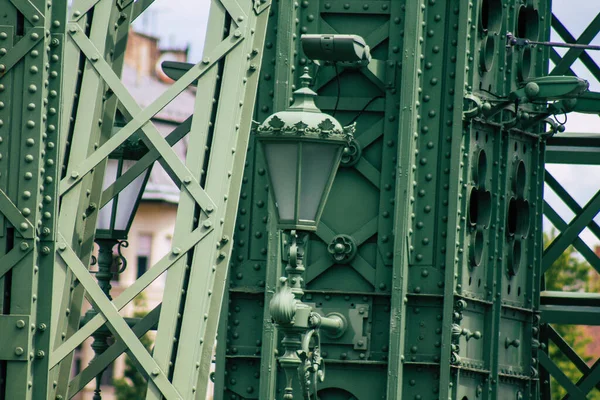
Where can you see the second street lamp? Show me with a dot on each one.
(303, 148)
(113, 224)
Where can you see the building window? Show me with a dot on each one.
(144, 250)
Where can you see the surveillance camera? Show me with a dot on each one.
(336, 48)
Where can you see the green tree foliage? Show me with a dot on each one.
(133, 386)
(569, 274)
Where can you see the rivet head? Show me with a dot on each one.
(20, 324)
(19, 351)
(155, 372)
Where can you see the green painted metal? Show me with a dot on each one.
(477, 169)
(429, 246)
(31, 45)
(94, 39)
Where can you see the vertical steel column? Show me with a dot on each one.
(31, 48)
(412, 61)
(284, 77)
(202, 276)
(87, 123)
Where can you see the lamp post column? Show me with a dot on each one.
(296, 319)
(289, 312)
(104, 275)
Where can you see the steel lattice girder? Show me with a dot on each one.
(89, 38)
(231, 127)
(575, 149)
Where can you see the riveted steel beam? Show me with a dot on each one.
(129, 294)
(567, 236)
(116, 323)
(30, 11)
(144, 163)
(579, 244)
(101, 362)
(31, 40)
(84, 93)
(20, 50)
(573, 54)
(560, 376)
(585, 58)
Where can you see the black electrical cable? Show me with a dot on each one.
(365, 108)
(337, 101)
(494, 94)
(561, 123)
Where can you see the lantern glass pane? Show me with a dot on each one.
(110, 176)
(128, 198)
(282, 163)
(317, 166)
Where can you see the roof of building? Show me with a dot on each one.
(144, 85)
(146, 89)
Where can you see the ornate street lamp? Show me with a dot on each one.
(112, 227)
(303, 147)
(116, 217)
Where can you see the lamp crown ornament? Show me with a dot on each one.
(304, 118)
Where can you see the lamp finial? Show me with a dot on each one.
(305, 79)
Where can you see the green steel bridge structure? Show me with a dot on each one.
(423, 278)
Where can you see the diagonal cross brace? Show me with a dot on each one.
(29, 11)
(101, 361)
(573, 54)
(11, 259)
(143, 163)
(170, 160)
(116, 322)
(590, 379)
(566, 237)
(579, 244)
(129, 294)
(562, 31)
(20, 50)
(564, 347)
(569, 201)
(560, 376)
(14, 216)
(80, 8)
(359, 264)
